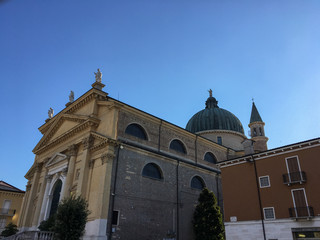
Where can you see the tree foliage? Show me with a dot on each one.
(10, 229)
(71, 218)
(207, 218)
(47, 225)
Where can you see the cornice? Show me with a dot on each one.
(81, 101)
(12, 193)
(103, 141)
(222, 131)
(90, 122)
(272, 152)
(256, 123)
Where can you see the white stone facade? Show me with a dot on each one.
(280, 229)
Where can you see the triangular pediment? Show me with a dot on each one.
(56, 159)
(65, 125)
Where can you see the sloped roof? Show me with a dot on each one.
(9, 188)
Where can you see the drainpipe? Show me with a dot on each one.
(259, 197)
(177, 194)
(113, 194)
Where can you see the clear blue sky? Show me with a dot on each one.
(160, 56)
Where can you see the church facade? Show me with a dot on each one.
(140, 174)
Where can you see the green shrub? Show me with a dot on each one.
(71, 218)
(10, 229)
(47, 225)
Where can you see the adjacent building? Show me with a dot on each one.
(10, 203)
(273, 194)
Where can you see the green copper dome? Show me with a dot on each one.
(214, 118)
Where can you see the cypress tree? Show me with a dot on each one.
(207, 218)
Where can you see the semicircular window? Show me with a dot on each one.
(178, 146)
(152, 170)
(209, 157)
(137, 131)
(197, 183)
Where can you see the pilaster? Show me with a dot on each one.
(84, 169)
(32, 189)
(47, 182)
(105, 186)
(72, 152)
(39, 204)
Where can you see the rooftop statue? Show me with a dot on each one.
(210, 92)
(50, 113)
(98, 76)
(71, 96)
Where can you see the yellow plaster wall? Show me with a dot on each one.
(108, 118)
(66, 125)
(16, 202)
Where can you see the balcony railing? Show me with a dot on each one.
(301, 212)
(294, 177)
(7, 212)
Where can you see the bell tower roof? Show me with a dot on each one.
(255, 116)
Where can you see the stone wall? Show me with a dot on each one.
(150, 208)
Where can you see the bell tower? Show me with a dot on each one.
(256, 126)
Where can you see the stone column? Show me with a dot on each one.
(105, 186)
(32, 192)
(44, 205)
(41, 196)
(22, 224)
(70, 174)
(84, 168)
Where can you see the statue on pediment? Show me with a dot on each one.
(50, 113)
(71, 96)
(98, 76)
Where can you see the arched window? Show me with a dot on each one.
(55, 197)
(178, 146)
(197, 183)
(152, 170)
(209, 157)
(137, 131)
(254, 132)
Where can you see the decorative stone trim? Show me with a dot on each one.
(82, 102)
(64, 171)
(28, 187)
(58, 124)
(91, 163)
(221, 131)
(55, 128)
(68, 134)
(72, 150)
(88, 142)
(48, 178)
(105, 158)
(38, 167)
(103, 141)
